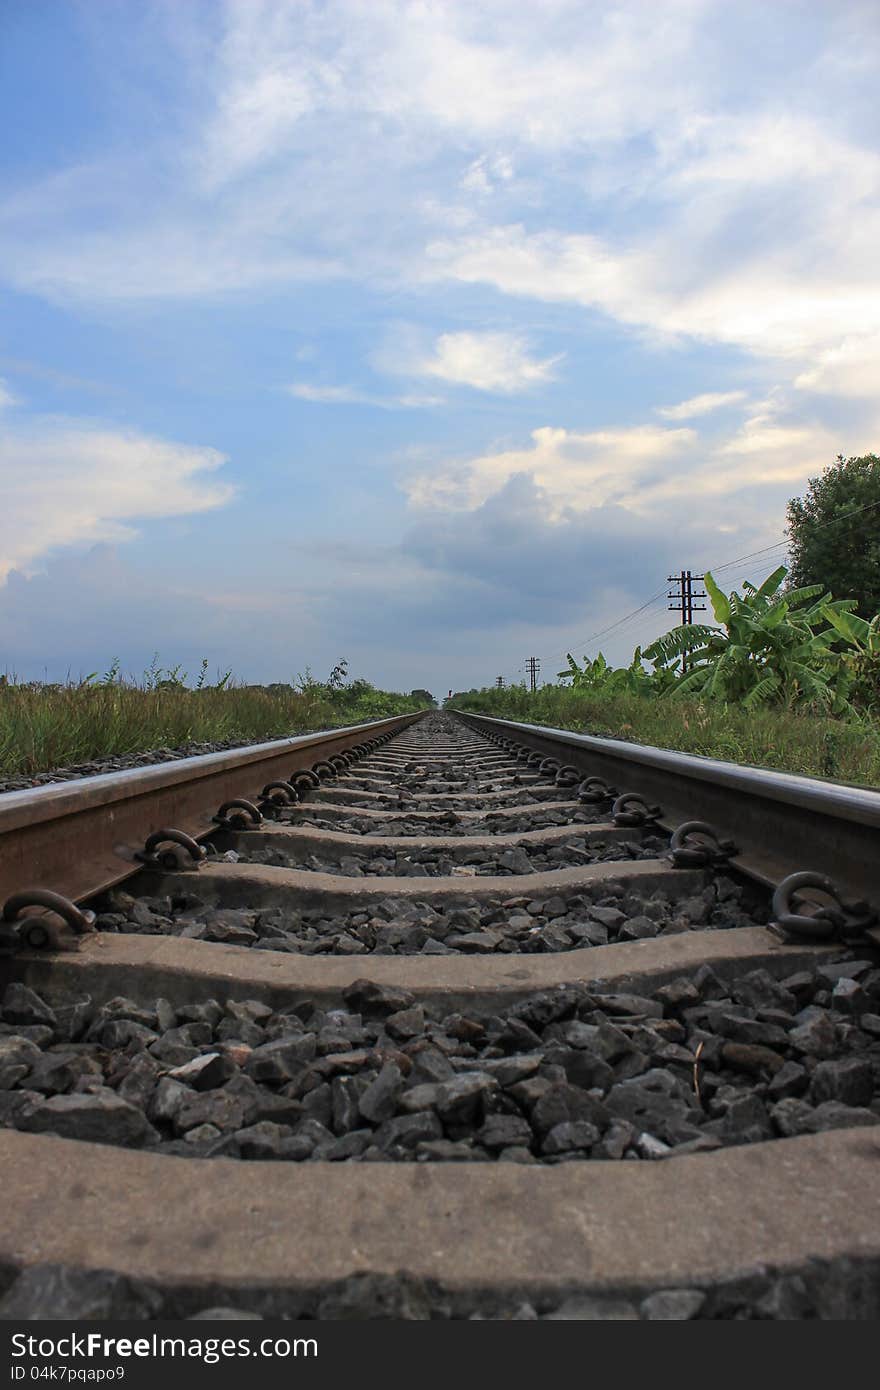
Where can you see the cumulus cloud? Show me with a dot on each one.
(851, 368)
(573, 468)
(486, 361)
(68, 482)
(733, 481)
(700, 405)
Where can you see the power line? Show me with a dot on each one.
(714, 569)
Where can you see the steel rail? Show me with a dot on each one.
(780, 822)
(79, 838)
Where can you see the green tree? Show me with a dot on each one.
(834, 532)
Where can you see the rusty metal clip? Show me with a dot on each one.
(276, 797)
(594, 790)
(816, 920)
(567, 776)
(38, 932)
(228, 816)
(282, 793)
(631, 809)
(182, 853)
(696, 844)
(304, 777)
(324, 769)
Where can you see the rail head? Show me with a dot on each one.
(80, 837)
(781, 821)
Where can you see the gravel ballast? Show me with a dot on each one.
(566, 1075)
(611, 912)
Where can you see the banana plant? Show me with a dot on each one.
(767, 646)
(861, 656)
(597, 675)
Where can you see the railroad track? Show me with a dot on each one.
(440, 1017)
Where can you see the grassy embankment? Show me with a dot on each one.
(807, 743)
(55, 726)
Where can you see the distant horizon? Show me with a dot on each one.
(434, 336)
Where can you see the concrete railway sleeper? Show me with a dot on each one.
(449, 1021)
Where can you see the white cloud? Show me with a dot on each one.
(486, 361)
(68, 482)
(670, 476)
(773, 304)
(851, 368)
(574, 469)
(700, 405)
(350, 395)
(6, 397)
(486, 173)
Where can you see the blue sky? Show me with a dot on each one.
(428, 335)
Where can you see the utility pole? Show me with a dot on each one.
(533, 666)
(499, 682)
(684, 597)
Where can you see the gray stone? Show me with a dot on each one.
(17, 1054)
(790, 1080)
(849, 1080)
(583, 1308)
(54, 1292)
(223, 1314)
(346, 1092)
(462, 1099)
(848, 997)
(218, 1108)
(205, 1072)
(262, 1140)
(509, 1070)
(586, 1069)
(479, 942)
(610, 917)
(629, 1005)
(746, 1121)
(73, 1019)
(672, 1305)
(202, 1136)
(121, 1033)
(565, 1137)
(649, 1146)
(618, 1137)
(503, 1131)
(374, 1000)
(379, 1100)
(167, 1099)
(368, 1297)
(815, 1036)
(638, 929)
(407, 1131)
(99, 1117)
(280, 1061)
(792, 1117)
(57, 1072)
(562, 1103)
(787, 1300)
(23, 1005)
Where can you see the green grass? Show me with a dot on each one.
(813, 745)
(55, 726)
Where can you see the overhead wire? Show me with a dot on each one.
(783, 544)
